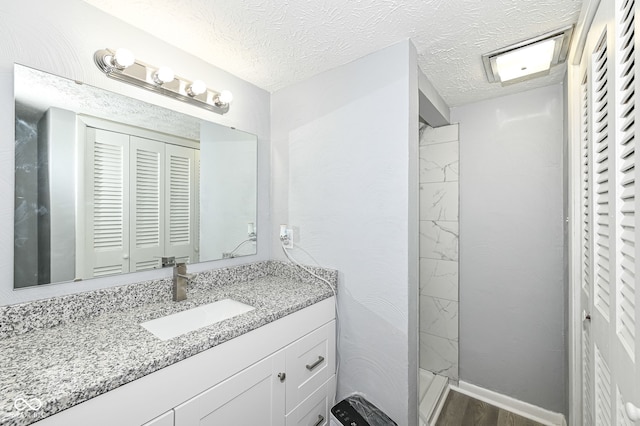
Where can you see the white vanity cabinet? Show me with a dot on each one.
(310, 363)
(164, 420)
(282, 373)
(255, 396)
(291, 385)
(314, 411)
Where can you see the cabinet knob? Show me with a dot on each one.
(282, 376)
(633, 412)
(125, 256)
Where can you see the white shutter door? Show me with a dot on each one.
(610, 341)
(180, 212)
(586, 246)
(107, 198)
(147, 204)
(601, 89)
(624, 336)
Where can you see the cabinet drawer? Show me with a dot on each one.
(310, 362)
(314, 411)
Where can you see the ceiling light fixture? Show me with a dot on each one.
(122, 65)
(528, 59)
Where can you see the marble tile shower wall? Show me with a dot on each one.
(439, 250)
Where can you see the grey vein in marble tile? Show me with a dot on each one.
(439, 278)
(439, 317)
(439, 240)
(439, 201)
(439, 163)
(439, 355)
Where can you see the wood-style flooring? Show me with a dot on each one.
(462, 410)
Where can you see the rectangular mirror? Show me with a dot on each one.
(106, 184)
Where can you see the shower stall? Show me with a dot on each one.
(439, 204)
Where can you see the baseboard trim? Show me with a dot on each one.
(521, 408)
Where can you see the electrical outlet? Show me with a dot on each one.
(286, 236)
(288, 243)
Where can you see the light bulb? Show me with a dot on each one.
(196, 88)
(163, 75)
(123, 58)
(224, 98)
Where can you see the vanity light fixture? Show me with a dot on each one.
(121, 65)
(121, 59)
(224, 98)
(196, 88)
(528, 59)
(163, 75)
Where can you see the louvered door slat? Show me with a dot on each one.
(586, 188)
(625, 291)
(602, 179)
(108, 196)
(603, 389)
(107, 193)
(180, 183)
(587, 419)
(147, 215)
(621, 415)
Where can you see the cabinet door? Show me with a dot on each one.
(255, 396)
(164, 420)
(310, 363)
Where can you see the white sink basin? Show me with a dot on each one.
(171, 326)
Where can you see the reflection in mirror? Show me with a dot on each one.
(106, 184)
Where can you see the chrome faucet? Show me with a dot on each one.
(180, 281)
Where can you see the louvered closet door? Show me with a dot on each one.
(625, 337)
(147, 203)
(107, 198)
(586, 246)
(608, 96)
(180, 229)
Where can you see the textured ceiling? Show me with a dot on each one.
(274, 43)
(36, 91)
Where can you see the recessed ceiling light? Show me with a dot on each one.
(527, 59)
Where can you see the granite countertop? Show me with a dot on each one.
(78, 359)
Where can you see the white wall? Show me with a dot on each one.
(61, 37)
(227, 187)
(345, 174)
(512, 308)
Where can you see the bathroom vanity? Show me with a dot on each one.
(273, 365)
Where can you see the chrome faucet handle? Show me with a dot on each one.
(180, 281)
(188, 277)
